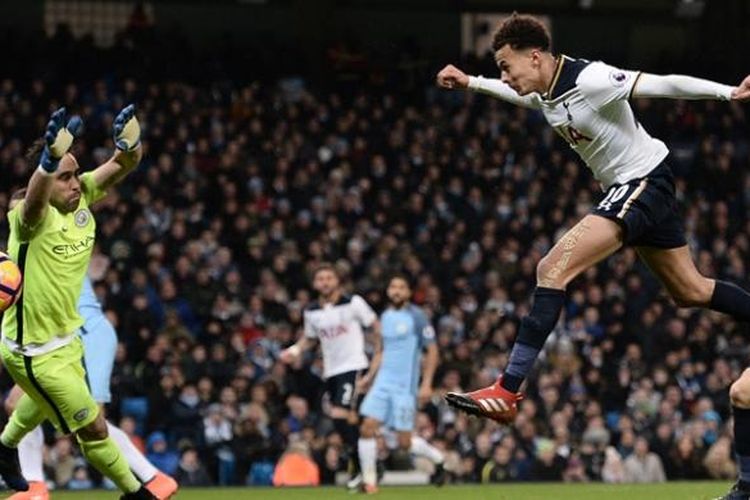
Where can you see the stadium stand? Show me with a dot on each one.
(204, 255)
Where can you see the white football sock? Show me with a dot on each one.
(137, 462)
(368, 457)
(420, 446)
(31, 455)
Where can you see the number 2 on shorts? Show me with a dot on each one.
(346, 397)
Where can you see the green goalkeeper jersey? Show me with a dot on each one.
(53, 258)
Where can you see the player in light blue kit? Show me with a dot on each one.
(392, 400)
(99, 347)
(99, 343)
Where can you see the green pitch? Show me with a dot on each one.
(667, 491)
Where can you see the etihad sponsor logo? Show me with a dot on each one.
(74, 248)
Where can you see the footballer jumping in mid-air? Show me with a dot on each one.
(587, 103)
(52, 233)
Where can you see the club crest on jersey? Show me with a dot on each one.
(617, 78)
(81, 415)
(82, 217)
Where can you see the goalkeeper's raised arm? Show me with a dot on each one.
(126, 131)
(58, 139)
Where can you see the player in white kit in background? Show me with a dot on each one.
(587, 104)
(100, 344)
(338, 321)
(406, 332)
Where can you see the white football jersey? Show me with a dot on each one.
(338, 327)
(587, 104)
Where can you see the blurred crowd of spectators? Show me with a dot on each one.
(204, 255)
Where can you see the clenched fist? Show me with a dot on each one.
(451, 77)
(741, 93)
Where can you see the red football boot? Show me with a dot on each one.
(493, 402)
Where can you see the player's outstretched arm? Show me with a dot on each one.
(450, 77)
(58, 138)
(126, 133)
(688, 87)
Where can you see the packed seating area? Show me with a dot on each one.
(204, 255)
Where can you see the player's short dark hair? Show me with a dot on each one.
(522, 32)
(34, 153)
(326, 266)
(403, 277)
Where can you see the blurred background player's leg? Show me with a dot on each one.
(344, 395)
(374, 410)
(402, 421)
(419, 446)
(367, 448)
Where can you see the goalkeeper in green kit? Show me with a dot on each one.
(51, 238)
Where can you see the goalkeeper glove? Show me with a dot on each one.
(58, 138)
(127, 130)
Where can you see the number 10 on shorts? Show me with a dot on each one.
(615, 194)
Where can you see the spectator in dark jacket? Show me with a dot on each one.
(191, 471)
